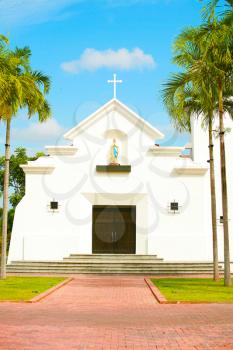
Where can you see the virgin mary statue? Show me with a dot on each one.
(114, 153)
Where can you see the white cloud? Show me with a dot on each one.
(49, 132)
(92, 59)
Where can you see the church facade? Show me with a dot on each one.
(115, 190)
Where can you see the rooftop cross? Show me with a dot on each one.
(115, 82)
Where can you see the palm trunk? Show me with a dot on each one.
(5, 200)
(227, 271)
(213, 202)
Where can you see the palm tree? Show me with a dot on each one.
(206, 53)
(183, 101)
(218, 61)
(219, 32)
(22, 88)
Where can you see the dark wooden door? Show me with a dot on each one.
(114, 230)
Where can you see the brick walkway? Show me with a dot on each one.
(93, 313)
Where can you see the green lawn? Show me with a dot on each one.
(25, 288)
(194, 289)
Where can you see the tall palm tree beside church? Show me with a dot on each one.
(183, 101)
(217, 40)
(222, 72)
(206, 53)
(21, 88)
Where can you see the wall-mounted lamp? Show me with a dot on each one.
(174, 207)
(53, 206)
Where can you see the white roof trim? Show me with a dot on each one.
(191, 170)
(114, 103)
(61, 150)
(29, 169)
(163, 151)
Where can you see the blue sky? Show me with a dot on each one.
(81, 43)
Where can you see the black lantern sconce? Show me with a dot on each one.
(53, 206)
(174, 207)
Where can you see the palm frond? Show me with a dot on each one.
(20, 86)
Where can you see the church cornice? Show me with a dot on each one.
(61, 150)
(166, 151)
(190, 170)
(29, 169)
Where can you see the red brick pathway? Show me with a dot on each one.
(94, 312)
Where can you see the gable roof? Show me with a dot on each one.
(110, 106)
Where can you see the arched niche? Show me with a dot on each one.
(121, 141)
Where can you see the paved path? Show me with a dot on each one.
(113, 313)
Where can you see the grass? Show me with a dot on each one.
(194, 290)
(25, 288)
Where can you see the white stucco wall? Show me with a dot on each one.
(39, 234)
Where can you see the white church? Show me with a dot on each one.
(115, 190)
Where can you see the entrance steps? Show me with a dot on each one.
(111, 264)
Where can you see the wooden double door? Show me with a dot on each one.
(114, 229)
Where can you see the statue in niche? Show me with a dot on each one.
(114, 153)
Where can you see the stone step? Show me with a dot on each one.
(93, 262)
(116, 266)
(107, 261)
(161, 266)
(70, 264)
(111, 264)
(109, 256)
(109, 269)
(118, 272)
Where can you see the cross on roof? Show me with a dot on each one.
(115, 82)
